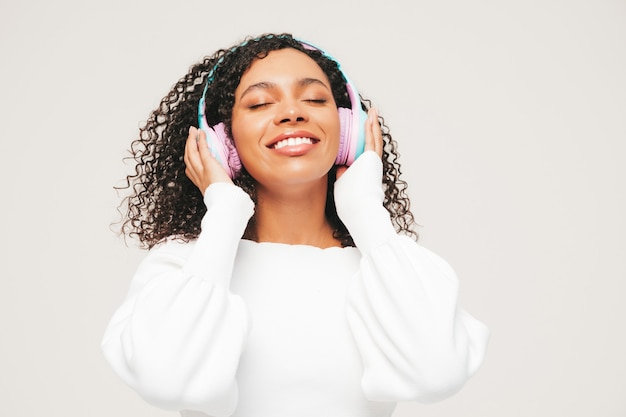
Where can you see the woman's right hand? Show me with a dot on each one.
(201, 167)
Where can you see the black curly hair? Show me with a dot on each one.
(163, 203)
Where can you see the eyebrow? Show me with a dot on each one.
(264, 85)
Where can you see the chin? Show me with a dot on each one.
(294, 173)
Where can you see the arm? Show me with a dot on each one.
(415, 341)
(177, 337)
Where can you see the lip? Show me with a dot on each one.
(295, 134)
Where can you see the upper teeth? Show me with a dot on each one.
(292, 142)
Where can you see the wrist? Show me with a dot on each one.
(359, 200)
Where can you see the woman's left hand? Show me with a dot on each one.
(373, 137)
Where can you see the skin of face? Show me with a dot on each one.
(285, 123)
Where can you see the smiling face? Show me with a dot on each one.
(285, 123)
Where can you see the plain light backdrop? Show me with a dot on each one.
(511, 123)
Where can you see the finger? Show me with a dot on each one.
(369, 137)
(193, 162)
(373, 134)
(206, 159)
(189, 145)
(210, 168)
(378, 135)
(203, 147)
(217, 172)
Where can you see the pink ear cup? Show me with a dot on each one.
(346, 144)
(229, 157)
(222, 147)
(230, 152)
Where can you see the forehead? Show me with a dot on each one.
(282, 64)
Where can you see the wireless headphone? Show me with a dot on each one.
(351, 138)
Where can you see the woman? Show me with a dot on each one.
(286, 290)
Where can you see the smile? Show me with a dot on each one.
(293, 142)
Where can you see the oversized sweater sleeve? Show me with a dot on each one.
(416, 343)
(177, 337)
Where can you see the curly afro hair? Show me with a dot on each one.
(163, 203)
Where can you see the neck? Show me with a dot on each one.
(295, 216)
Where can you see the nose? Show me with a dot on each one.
(290, 112)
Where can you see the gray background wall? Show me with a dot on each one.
(510, 117)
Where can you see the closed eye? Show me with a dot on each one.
(258, 106)
(317, 101)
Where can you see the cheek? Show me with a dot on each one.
(334, 130)
(246, 131)
(242, 133)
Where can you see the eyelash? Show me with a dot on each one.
(259, 105)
